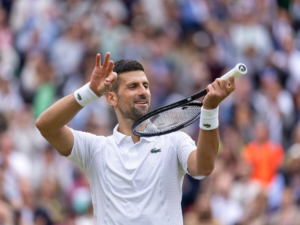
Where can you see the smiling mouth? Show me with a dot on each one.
(141, 103)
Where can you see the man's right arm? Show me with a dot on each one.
(52, 123)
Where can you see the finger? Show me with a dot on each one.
(106, 60)
(106, 82)
(223, 85)
(210, 89)
(111, 78)
(98, 60)
(110, 67)
(216, 86)
(231, 83)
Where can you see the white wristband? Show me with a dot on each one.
(85, 95)
(209, 119)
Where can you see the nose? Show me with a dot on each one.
(143, 91)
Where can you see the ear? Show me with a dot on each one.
(111, 98)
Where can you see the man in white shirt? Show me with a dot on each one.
(133, 180)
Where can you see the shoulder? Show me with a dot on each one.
(108, 139)
(86, 134)
(251, 145)
(81, 136)
(278, 147)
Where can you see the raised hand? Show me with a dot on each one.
(217, 92)
(103, 77)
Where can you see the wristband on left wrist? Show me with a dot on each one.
(209, 119)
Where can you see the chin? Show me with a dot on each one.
(139, 113)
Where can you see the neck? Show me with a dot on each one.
(125, 128)
(262, 141)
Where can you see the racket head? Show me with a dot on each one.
(166, 121)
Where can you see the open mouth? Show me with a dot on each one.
(141, 103)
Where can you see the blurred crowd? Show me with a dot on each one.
(48, 49)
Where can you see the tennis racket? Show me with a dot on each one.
(178, 115)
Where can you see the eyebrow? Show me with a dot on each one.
(136, 83)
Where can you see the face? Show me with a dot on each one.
(133, 97)
(261, 132)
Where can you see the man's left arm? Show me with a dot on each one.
(201, 161)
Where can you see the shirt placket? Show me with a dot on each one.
(131, 154)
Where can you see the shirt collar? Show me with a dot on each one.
(118, 137)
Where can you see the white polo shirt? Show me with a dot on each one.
(134, 183)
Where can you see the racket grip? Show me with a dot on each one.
(239, 70)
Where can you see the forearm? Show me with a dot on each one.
(207, 151)
(58, 115)
(202, 161)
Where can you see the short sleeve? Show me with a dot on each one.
(85, 144)
(185, 146)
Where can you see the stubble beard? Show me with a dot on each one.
(133, 113)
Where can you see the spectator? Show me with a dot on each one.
(26, 137)
(225, 209)
(251, 40)
(256, 212)
(10, 98)
(244, 188)
(263, 155)
(275, 105)
(45, 94)
(292, 164)
(16, 166)
(71, 43)
(202, 213)
(288, 213)
(6, 210)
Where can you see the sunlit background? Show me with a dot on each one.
(47, 51)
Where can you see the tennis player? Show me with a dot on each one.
(133, 180)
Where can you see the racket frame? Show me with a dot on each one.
(189, 101)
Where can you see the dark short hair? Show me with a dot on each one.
(123, 66)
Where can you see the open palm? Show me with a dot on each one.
(103, 76)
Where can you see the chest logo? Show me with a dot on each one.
(155, 150)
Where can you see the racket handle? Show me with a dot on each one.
(239, 70)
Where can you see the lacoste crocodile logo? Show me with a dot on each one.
(79, 97)
(155, 150)
(206, 125)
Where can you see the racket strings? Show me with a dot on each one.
(169, 120)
